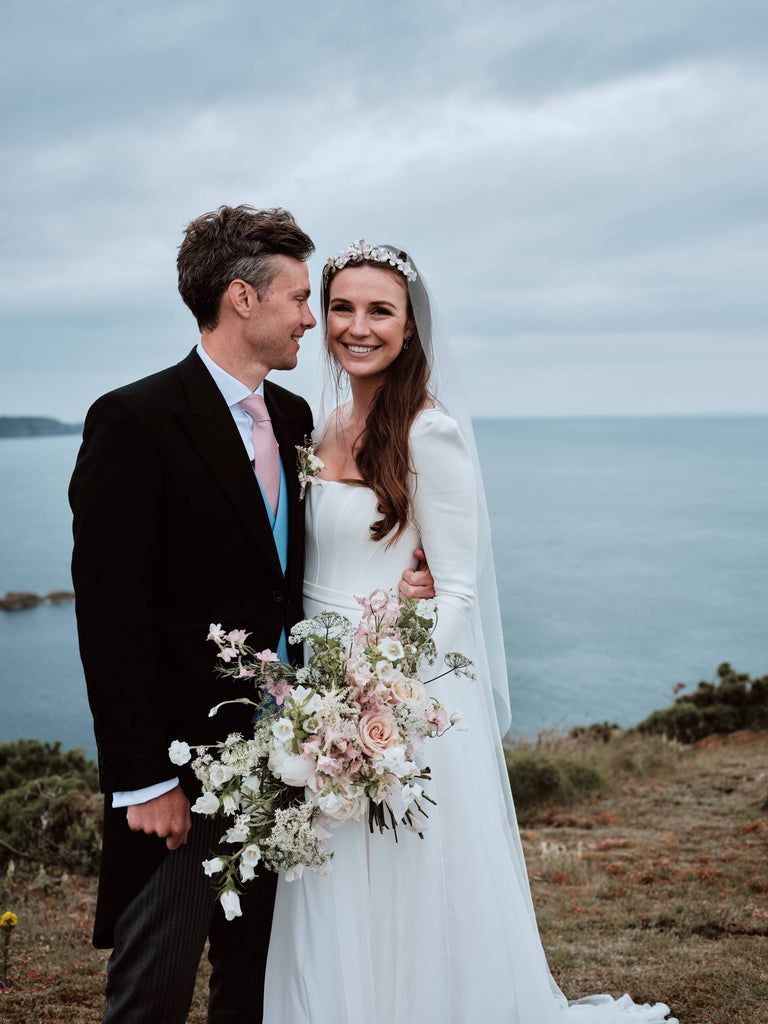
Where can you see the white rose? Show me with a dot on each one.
(230, 904)
(297, 770)
(213, 865)
(179, 752)
(208, 803)
(394, 761)
(341, 807)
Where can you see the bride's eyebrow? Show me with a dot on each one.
(371, 302)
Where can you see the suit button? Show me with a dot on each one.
(277, 596)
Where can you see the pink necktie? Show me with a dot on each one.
(266, 454)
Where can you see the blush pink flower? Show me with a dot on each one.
(266, 655)
(378, 731)
(277, 690)
(237, 636)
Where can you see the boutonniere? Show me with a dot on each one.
(308, 463)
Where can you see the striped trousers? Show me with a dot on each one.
(160, 936)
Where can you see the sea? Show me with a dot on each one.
(631, 555)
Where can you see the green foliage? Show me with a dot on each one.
(537, 779)
(733, 703)
(50, 810)
(52, 820)
(24, 760)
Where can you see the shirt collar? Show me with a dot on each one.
(232, 389)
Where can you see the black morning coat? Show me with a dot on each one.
(171, 535)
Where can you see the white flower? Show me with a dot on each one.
(394, 762)
(410, 793)
(230, 904)
(306, 699)
(386, 671)
(282, 730)
(340, 806)
(251, 785)
(215, 631)
(208, 803)
(297, 770)
(213, 865)
(230, 802)
(250, 858)
(391, 648)
(458, 722)
(238, 833)
(179, 752)
(425, 608)
(220, 774)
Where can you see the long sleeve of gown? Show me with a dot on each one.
(445, 513)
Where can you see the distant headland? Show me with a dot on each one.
(36, 426)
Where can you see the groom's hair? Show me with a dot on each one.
(234, 243)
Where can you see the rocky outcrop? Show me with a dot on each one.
(17, 600)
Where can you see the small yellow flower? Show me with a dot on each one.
(8, 920)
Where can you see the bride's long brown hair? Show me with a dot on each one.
(383, 453)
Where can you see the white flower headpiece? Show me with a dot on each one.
(363, 250)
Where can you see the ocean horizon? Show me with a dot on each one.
(631, 555)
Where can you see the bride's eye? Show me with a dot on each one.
(340, 307)
(382, 311)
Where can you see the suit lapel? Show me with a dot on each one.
(212, 431)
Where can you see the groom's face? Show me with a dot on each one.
(281, 316)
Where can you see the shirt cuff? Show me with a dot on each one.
(129, 797)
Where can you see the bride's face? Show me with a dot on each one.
(367, 320)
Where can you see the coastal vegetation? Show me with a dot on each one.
(645, 850)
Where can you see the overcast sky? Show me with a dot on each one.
(582, 182)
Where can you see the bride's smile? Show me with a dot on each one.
(367, 320)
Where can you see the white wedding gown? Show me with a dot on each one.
(439, 930)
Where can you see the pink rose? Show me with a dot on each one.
(407, 689)
(377, 731)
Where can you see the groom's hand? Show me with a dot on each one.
(166, 816)
(417, 583)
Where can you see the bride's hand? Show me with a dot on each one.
(417, 583)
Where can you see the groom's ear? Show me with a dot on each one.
(242, 297)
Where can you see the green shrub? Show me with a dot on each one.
(733, 703)
(23, 760)
(53, 820)
(537, 779)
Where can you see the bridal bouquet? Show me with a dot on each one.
(332, 741)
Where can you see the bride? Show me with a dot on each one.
(439, 930)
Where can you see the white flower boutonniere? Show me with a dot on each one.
(308, 464)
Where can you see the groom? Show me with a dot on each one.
(173, 530)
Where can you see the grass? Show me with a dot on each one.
(654, 883)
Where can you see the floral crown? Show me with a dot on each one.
(363, 250)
